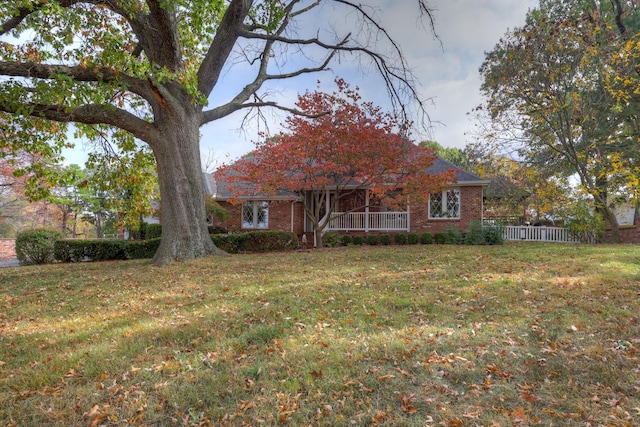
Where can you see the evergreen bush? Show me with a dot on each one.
(330, 240)
(493, 235)
(426, 238)
(346, 240)
(413, 238)
(452, 236)
(358, 240)
(372, 239)
(385, 239)
(400, 239)
(37, 246)
(440, 238)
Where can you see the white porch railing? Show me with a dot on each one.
(369, 221)
(540, 234)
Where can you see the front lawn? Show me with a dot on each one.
(520, 334)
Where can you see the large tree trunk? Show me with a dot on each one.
(610, 217)
(183, 217)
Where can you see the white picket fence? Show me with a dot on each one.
(540, 234)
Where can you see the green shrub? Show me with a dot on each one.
(36, 246)
(153, 231)
(268, 241)
(358, 240)
(493, 235)
(141, 249)
(426, 238)
(346, 240)
(256, 241)
(231, 243)
(452, 236)
(372, 239)
(440, 238)
(413, 238)
(385, 239)
(330, 240)
(400, 239)
(475, 235)
(71, 250)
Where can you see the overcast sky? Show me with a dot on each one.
(447, 71)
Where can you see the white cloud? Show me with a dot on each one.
(447, 72)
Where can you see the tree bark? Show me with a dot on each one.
(184, 226)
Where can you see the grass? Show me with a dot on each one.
(520, 334)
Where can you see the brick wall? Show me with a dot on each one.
(470, 210)
(628, 234)
(7, 248)
(279, 217)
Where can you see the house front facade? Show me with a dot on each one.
(456, 206)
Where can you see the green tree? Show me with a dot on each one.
(453, 155)
(546, 96)
(70, 198)
(144, 70)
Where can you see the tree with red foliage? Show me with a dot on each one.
(341, 145)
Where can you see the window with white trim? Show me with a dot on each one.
(445, 204)
(255, 214)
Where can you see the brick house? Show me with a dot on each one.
(456, 206)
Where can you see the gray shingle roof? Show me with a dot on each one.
(220, 191)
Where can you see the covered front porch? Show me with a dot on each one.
(368, 221)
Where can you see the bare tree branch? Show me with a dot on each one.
(222, 44)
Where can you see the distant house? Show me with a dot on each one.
(456, 206)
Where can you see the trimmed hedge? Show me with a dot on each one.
(413, 238)
(111, 249)
(372, 239)
(358, 240)
(385, 239)
(90, 249)
(142, 249)
(426, 238)
(346, 240)
(256, 241)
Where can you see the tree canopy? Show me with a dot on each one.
(548, 97)
(130, 71)
(341, 147)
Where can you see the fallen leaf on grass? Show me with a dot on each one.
(407, 403)
(73, 373)
(518, 416)
(528, 396)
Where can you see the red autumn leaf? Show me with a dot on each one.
(528, 396)
(316, 374)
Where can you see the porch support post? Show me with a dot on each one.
(408, 218)
(366, 211)
(292, 212)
